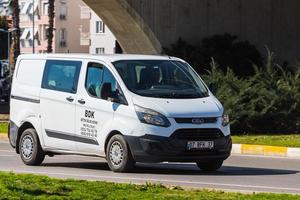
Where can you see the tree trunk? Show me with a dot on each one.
(51, 15)
(15, 46)
(3, 38)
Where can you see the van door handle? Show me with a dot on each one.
(81, 101)
(70, 99)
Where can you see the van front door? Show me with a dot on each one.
(58, 96)
(94, 114)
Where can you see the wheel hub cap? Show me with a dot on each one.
(27, 147)
(116, 153)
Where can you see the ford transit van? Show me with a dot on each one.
(125, 108)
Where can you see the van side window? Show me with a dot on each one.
(97, 77)
(109, 78)
(94, 77)
(61, 75)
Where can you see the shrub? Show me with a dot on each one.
(267, 102)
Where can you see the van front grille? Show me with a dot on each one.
(203, 120)
(198, 134)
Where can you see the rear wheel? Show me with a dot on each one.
(118, 154)
(210, 166)
(30, 149)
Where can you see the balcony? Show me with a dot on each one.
(85, 39)
(85, 12)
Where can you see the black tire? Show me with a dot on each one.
(210, 166)
(122, 162)
(30, 148)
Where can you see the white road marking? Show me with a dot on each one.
(7, 155)
(3, 142)
(7, 151)
(162, 181)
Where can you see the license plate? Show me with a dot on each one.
(200, 145)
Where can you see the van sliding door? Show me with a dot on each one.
(58, 96)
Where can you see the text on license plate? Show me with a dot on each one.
(200, 145)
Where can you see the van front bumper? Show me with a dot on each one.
(150, 148)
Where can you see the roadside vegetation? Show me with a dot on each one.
(267, 102)
(3, 128)
(13, 186)
(284, 140)
(260, 95)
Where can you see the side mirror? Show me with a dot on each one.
(213, 88)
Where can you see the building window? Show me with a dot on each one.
(22, 4)
(62, 37)
(63, 12)
(100, 27)
(100, 50)
(45, 8)
(46, 32)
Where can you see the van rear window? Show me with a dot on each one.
(61, 75)
(29, 72)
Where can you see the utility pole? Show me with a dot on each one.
(33, 34)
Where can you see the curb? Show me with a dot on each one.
(246, 149)
(3, 137)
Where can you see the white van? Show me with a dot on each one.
(125, 108)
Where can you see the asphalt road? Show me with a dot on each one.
(239, 173)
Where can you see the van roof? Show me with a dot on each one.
(104, 57)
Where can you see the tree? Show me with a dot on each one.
(3, 38)
(51, 15)
(15, 46)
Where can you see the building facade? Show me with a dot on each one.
(77, 29)
(68, 24)
(102, 39)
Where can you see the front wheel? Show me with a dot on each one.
(210, 166)
(30, 149)
(118, 154)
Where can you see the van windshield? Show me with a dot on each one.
(161, 79)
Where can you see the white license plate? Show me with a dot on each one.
(200, 145)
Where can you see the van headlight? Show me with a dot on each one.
(225, 120)
(152, 117)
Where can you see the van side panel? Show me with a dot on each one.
(25, 96)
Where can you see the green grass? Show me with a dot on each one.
(14, 186)
(291, 140)
(3, 128)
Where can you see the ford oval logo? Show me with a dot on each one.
(198, 121)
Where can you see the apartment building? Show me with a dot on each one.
(77, 28)
(69, 27)
(102, 39)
